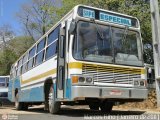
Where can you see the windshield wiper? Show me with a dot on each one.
(124, 42)
(125, 34)
(97, 28)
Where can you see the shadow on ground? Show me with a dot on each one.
(72, 112)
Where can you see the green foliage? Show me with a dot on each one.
(19, 45)
(7, 58)
(15, 48)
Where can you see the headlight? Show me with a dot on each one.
(136, 83)
(141, 83)
(88, 79)
(81, 79)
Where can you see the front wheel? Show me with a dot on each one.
(94, 106)
(106, 106)
(54, 106)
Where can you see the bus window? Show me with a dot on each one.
(51, 50)
(39, 58)
(30, 64)
(24, 68)
(18, 71)
(2, 82)
(25, 58)
(53, 36)
(31, 58)
(32, 52)
(20, 63)
(41, 45)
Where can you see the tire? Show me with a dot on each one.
(18, 105)
(106, 106)
(25, 106)
(94, 106)
(54, 106)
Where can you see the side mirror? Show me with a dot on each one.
(72, 27)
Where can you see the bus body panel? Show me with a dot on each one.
(35, 94)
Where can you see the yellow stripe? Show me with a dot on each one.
(143, 71)
(50, 72)
(76, 65)
(107, 68)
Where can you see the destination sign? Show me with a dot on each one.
(88, 13)
(115, 19)
(107, 17)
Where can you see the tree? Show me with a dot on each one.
(36, 17)
(7, 58)
(20, 44)
(6, 34)
(14, 49)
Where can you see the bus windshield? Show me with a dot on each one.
(100, 43)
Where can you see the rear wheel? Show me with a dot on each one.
(106, 106)
(54, 106)
(18, 105)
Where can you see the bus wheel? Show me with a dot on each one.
(25, 106)
(54, 106)
(94, 106)
(18, 105)
(106, 106)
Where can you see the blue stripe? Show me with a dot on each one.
(32, 95)
(68, 89)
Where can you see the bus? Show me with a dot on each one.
(91, 56)
(4, 81)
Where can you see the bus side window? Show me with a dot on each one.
(41, 45)
(51, 50)
(31, 58)
(19, 71)
(19, 67)
(40, 52)
(39, 58)
(24, 68)
(25, 58)
(53, 36)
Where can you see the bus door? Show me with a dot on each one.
(61, 60)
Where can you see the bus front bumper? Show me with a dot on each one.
(108, 92)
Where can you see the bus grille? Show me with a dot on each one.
(111, 74)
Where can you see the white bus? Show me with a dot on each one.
(91, 56)
(4, 81)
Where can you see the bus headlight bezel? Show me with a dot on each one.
(89, 79)
(81, 79)
(140, 83)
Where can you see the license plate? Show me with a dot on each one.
(115, 92)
